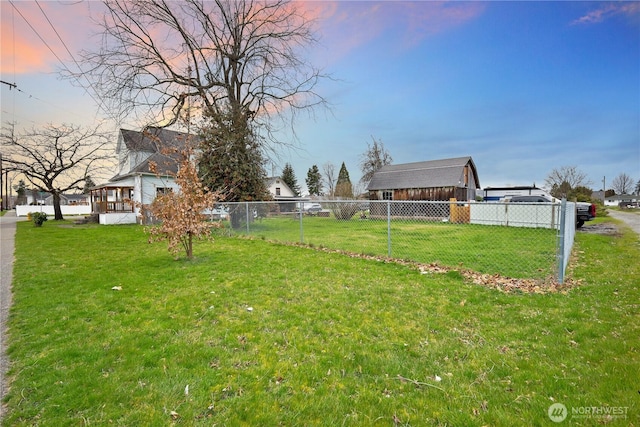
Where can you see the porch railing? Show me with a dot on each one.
(107, 207)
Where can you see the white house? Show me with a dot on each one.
(622, 199)
(136, 184)
(279, 189)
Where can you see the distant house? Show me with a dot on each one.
(279, 189)
(434, 180)
(70, 199)
(622, 200)
(37, 197)
(137, 183)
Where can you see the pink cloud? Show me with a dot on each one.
(354, 24)
(630, 9)
(343, 26)
(23, 51)
(426, 19)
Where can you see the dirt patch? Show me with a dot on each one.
(604, 228)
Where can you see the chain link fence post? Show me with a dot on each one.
(561, 240)
(246, 204)
(389, 228)
(300, 212)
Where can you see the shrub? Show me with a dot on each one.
(344, 210)
(38, 218)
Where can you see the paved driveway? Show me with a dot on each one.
(7, 235)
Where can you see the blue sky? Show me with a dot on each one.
(522, 87)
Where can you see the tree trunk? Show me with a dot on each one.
(56, 206)
(190, 246)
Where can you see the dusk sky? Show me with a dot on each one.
(522, 87)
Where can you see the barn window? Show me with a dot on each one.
(387, 195)
(277, 191)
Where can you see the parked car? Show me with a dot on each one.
(584, 211)
(313, 209)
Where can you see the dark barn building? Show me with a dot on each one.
(433, 180)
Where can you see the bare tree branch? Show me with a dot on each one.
(164, 58)
(375, 157)
(560, 182)
(58, 159)
(622, 184)
(330, 178)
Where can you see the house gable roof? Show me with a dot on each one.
(428, 174)
(152, 139)
(272, 181)
(159, 142)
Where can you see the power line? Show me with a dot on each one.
(11, 85)
(100, 104)
(38, 34)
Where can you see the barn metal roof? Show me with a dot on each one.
(428, 174)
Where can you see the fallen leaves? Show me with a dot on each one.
(493, 281)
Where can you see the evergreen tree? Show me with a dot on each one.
(344, 188)
(21, 190)
(314, 181)
(289, 178)
(231, 161)
(232, 164)
(88, 184)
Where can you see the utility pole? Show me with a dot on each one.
(11, 85)
(1, 198)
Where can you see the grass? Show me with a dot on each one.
(265, 334)
(513, 252)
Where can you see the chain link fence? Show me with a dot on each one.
(518, 240)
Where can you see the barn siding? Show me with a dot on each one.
(426, 210)
(437, 194)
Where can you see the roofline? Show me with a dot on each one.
(517, 187)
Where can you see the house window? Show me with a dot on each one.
(163, 190)
(277, 191)
(387, 195)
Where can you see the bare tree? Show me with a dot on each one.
(240, 59)
(375, 157)
(58, 159)
(329, 176)
(562, 181)
(622, 184)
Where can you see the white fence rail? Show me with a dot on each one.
(536, 215)
(24, 210)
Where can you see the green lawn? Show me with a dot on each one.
(513, 252)
(256, 333)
